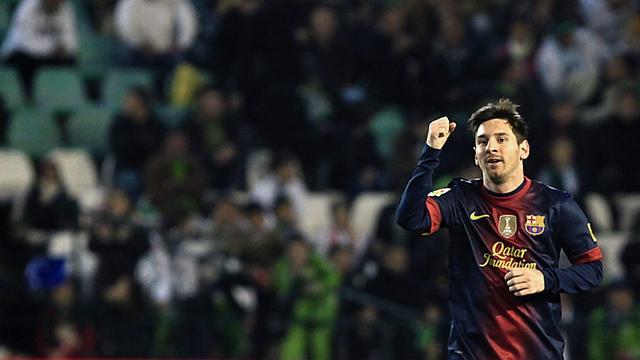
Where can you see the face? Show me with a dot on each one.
(497, 151)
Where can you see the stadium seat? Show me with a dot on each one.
(11, 88)
(317, 208)
(89, 128)
(628, 208)
(33, 131)
(5, 18)
(59, 89)
(118, 82)
(77, 171)
(95, 55)
(17, 174)
(612, 244)
(365, 211)
(385, 127)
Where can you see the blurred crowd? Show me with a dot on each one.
(190, 256)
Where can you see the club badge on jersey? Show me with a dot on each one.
(534, 224)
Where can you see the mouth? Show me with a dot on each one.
(493, 163)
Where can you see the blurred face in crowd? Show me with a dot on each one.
(497, 151)
(562, 151)
(563, 113)
(323, 24)
(285, 213)
(48, 171)
(51, 6)
(628, 108)
(392, 21)
(341, 215)
(176, 143)
(342, 259)
(211, 104)
(452, 31)
(396, 259)
(136, 107)
(298, 253)
(226, 212)
(617, 69)
(621, 300)
(119, 203)
(286, 171)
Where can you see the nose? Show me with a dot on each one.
(492, 145)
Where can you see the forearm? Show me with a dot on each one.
(574, 279)
(412, 213)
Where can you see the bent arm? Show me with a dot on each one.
(574, 279)
(412, 212)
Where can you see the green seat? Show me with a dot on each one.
(59, 89)
(11, 88)
(5, 17)
(95, 55)
(89, 128)
(33, 131)
(385, 127)
(118, 82)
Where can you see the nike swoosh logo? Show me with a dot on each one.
(473, 216)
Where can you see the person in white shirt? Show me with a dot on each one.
(42, 32)
(283, 181)
(155, 30)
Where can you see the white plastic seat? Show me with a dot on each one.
(599, 211)
(16, 175)
(77, 171)
(365, 211)
(629, 208)
(317, 212)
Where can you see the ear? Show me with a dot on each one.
(475, 156)
(524, 149)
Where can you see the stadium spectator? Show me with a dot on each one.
(614, 330)
(284, 180)
(338, 233)
(561, 171)
(135, 136)
(48, 207)
(156, 33)
(218, 137)
(306, 287)
(609, 163)
(116, 240)
(174, 177)
(569, 62)
(43, 32)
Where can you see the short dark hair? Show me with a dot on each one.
(501, 109)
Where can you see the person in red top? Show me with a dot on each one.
(506, 232)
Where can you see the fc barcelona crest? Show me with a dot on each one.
(534, 224)
(508, 225)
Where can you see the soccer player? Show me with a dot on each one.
(506, 235)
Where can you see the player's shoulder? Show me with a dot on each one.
(456, 185)
(553, 194)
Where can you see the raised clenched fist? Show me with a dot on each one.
(439, 131)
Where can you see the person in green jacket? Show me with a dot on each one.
(614, 329)
(307, 285)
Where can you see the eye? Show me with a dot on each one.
(481, 141)
(502, 139)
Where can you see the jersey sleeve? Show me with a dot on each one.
(441, 206)
(579, 243)
(576, 235)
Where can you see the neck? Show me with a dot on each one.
(505, 187)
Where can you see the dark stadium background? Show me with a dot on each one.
(225, 187)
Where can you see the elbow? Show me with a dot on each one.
(409, 223)
(599, 269)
